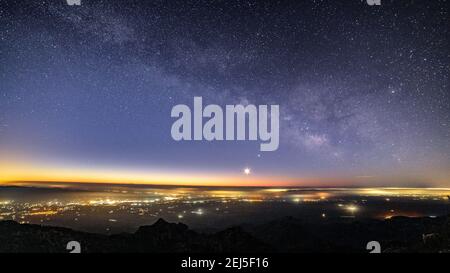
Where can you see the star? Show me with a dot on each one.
(101, 83)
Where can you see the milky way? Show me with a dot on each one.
(363, 90)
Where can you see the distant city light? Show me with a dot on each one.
(198, 212)
(352, 208)
(111, 209)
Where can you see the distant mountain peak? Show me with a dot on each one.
(161, 222)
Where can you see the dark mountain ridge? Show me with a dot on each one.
(286, 235)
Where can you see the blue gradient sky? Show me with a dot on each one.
(363, 91)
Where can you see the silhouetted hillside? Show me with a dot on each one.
(398, 234)
(161, 237)
(288, 235)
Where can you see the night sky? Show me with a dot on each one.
(86, 91)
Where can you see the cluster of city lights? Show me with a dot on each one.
(188, 205)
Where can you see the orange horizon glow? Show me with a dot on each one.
(27, 172)
(30, 172)
(33, 172)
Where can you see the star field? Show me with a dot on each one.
(363, 90)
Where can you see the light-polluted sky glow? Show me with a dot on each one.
(86, 91)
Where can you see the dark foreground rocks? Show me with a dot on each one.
(287, 235)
